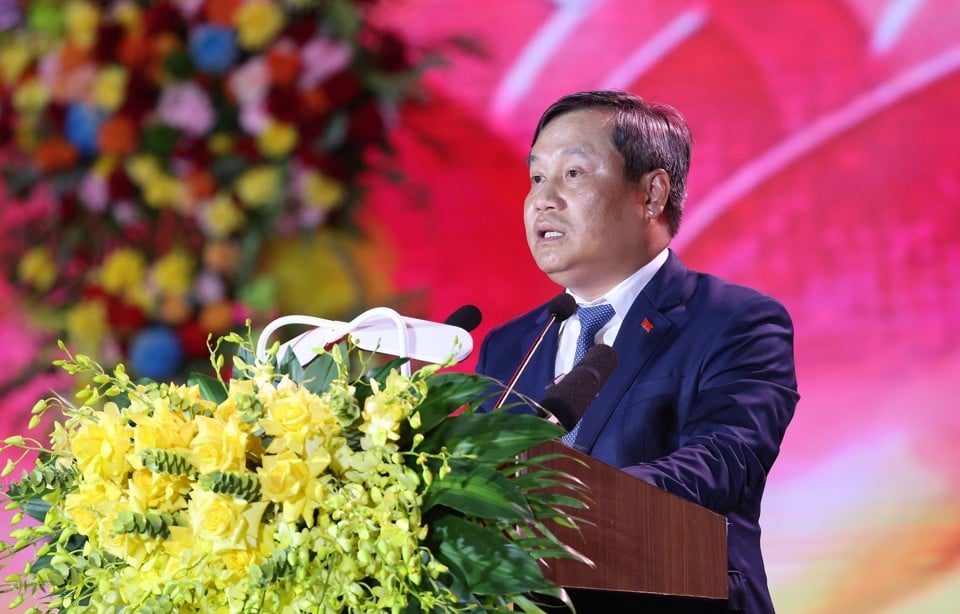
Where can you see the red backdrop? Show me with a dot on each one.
(824, 173)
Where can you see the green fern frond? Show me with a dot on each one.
(151, 524)
(166, 461)
(243, 485)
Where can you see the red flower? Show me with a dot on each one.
(125, 318)
(194, 340)
(163, 17)
(366, 124)
(283, 62)
(282, 103)
(341, 89)
(107, 42)
(140, 97)
(119, 185)
(300, 31)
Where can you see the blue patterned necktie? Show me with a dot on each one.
(592, 319)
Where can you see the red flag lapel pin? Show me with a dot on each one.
(647, 325)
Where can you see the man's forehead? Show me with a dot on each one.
(580, 149)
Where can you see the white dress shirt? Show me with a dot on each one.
(620, 297)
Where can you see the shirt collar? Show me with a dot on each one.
(622, 295)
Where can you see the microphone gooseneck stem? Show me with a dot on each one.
(523, 363)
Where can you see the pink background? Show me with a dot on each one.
(826, 172)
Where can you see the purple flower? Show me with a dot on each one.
(322, 58)
(213, 48)
(186, 106)
(94, 193)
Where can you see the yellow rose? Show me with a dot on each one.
(218, 446)
(157, 491)
(286, 478)
(87, 325)
(131, 547)
(82, 21)
(228, 523)
(221, 216)
(100, 448)
(322, 192)
(260, 186)
(172, 274)
(143, 168)
(293, 419)
(123, 270)
(14, 59)
(160, 427)
(162, 191)
(277, 139)
(109, 88)
(258, 22)
(90, 503)
(31, 97)
(37, 268)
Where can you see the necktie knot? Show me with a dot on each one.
(592, 319)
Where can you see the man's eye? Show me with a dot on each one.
(536, 179)
(573, 173)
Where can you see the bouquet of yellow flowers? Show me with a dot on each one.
(335, 487)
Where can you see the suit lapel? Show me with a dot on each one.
(642, 332)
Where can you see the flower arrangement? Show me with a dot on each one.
(338, 487)
(155, 150)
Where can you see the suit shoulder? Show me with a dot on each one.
(725, 295)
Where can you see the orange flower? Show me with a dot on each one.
(315, 101)
(118, 135)
(221, 256)
(55, 154)
(134, 51)
(72, 57)
(217, 317)
(283, 64)
(200, 184)
(221, 11)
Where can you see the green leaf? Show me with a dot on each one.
(211, 389)
(493, 437)
(449, 392)
(484, 560)
(478, 490)
(36, 509)
(319, 373)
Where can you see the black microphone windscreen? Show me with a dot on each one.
(467, 317)
(569, 399)
(562, 306)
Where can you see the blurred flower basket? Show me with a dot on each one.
(332, 488)
(156, 151)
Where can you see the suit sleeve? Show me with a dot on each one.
(746, 396)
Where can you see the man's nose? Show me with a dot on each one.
(548, 197)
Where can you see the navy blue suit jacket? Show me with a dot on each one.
(703, 391)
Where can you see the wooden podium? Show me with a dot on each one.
(652, 551)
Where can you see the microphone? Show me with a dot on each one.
(467, 317)
(561, 307)
(569, 399)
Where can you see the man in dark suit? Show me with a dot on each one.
(705, 383)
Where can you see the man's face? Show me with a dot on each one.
(584, 222)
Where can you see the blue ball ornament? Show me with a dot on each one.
(82, 127)
(213, 49)
(156, 352)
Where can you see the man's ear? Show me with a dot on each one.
(656, 189)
